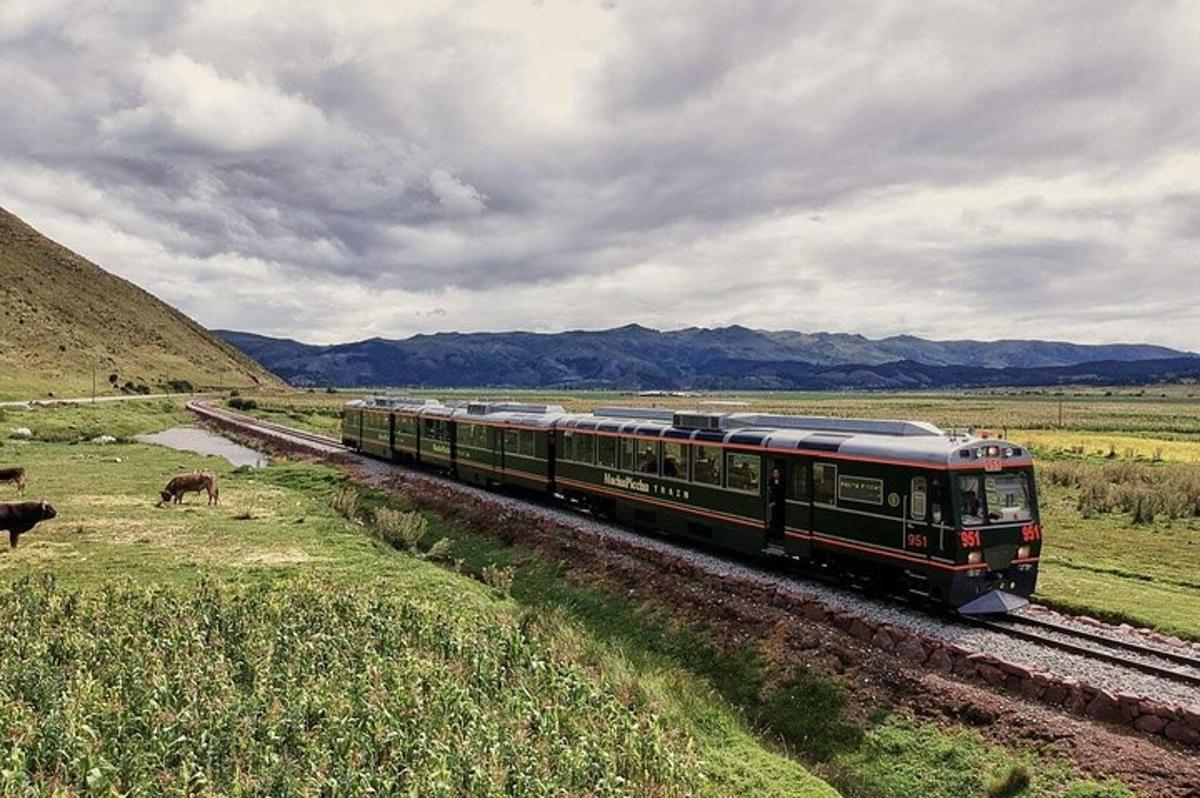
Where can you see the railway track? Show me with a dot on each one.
(1098, 646)
(249, 422)
(1151, 660)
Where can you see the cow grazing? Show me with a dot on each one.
(190, 483)
(17, 518)
(16, 476)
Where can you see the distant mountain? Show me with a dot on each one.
(634, 357)
(62, 318)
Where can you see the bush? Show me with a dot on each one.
(238, 403)
(1015, 782)
(345, 501)
(499, 578)
(1142, 491)
(406, 532)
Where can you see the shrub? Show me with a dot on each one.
(499, 578)
(1015, 782)
(238, 403)
(406, 532)
(345, 502)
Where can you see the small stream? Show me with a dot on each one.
(200, 441)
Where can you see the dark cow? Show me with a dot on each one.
(191, 483)
(15, 475)
(17, 518)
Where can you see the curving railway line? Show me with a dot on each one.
(1114, 654)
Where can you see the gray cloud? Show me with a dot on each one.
(329, 173)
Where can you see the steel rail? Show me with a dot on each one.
(1091, 652)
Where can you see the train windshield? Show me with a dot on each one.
(994, 498)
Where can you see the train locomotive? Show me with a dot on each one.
(902, 505)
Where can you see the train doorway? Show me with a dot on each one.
(776, 499)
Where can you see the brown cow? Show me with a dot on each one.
(17, 518)
(15, 475)
(190, 483)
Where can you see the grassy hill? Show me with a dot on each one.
(61, 316)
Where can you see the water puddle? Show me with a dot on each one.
(194, 439)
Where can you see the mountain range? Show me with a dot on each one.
(637, 358)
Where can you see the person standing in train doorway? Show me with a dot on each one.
(776, 506)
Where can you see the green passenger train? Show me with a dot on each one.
(899, 504)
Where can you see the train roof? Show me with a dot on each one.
(875, 439)
(389, 402)
(880, 439)
(517, 414)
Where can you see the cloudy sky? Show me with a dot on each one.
(334, 171)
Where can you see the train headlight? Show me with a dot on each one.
(1023, 552)
(975, 557)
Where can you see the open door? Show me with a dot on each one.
(775, 515)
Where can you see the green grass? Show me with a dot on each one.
(898, 759)
(72, 423)
(276, 568)
(1109, 567)
(779, 700)
(276, 541)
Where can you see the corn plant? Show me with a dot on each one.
(306, 688)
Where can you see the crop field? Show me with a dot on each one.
(304, 638)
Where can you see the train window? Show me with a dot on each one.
(527, 443)
(797, 490)
(824, 483)
(566, 446)
(744, 472)
(970, 505)
(916, 500)
(674, 465)
(1007, 497)
(474, 436)
(647, 462)
(606, 451)
(629, 449)
(406, 426)
(585, 448)
(436, 430)
(860, 489)
(706, 465)
(935, 500)
(512, 441)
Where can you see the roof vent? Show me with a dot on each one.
(709, 421)
(640, 413)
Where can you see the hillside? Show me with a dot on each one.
(635, 357)
(63, 316)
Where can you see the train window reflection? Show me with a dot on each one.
(970, 505)
(743, 472)
(706, 467)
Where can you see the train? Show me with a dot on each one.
(949, 517)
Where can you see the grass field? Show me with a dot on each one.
(272, 645)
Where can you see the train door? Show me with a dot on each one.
(918, 532)
(775, 498)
